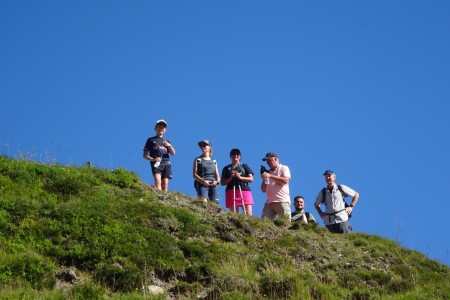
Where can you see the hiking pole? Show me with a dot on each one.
(234, 198)
(242, 200)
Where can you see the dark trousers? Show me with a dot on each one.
(343, 227)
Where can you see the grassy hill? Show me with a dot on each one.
(85, 233)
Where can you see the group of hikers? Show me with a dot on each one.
(237, 176)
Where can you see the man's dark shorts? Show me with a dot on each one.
(165, 170)
(342, 227)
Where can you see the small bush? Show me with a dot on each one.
(277, 287)
(121, 276)
(119, 177)
(29, 266)
(88, 291)
(400, 285)
(187, 289)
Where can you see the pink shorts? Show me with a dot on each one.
(229, 198)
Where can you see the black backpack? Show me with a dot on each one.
(324, 192)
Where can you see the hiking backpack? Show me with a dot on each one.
(324, 193)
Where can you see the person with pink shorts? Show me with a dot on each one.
(237, 176)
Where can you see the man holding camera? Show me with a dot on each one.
(276, 186)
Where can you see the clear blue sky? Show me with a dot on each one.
(360, 87)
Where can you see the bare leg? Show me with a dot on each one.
(235, 209)
(165, 184)
(157, 178)
(249, 209)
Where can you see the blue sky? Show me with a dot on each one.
(360, 87)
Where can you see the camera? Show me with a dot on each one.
(263, 169)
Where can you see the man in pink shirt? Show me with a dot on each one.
(276, 186)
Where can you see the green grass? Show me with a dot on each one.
(121, 236)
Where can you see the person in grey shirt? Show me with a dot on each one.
(336, 213)
(206, 174)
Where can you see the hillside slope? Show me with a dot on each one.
(85, 233)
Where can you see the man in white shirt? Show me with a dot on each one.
(336, 213)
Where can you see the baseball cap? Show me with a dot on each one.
(161, 122)
(207, 142)
(269, 155)
(328, 172)
(235, 151)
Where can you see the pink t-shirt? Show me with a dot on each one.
(276, 192)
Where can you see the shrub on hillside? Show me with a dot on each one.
(29, 266)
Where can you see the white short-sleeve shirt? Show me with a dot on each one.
(334, 203)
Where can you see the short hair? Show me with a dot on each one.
(298, 197)
(235, 151)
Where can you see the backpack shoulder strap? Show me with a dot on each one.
(343, 197)
(342, 191)
(199, 167)
(242, 169)
(324, 193)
